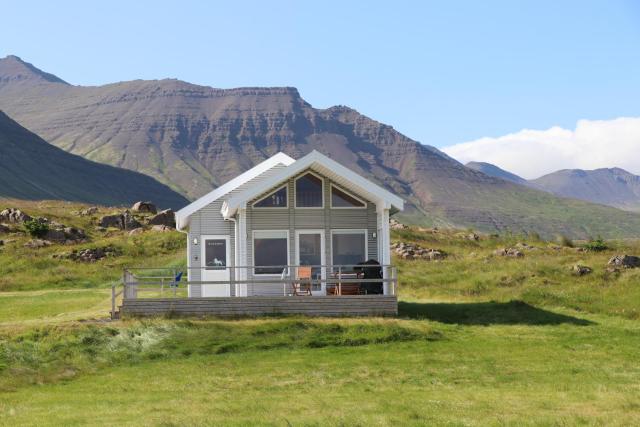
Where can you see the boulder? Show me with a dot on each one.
(413, 251)
(513, 252)
(144, 207)
(624, 261)
(13, 215)
(510, 252)
(165, 217)
(89, 211)
(37, 243)
(114, 221)
(123, 221)
(161, 228)
(89, 254)
(74, 234)
(581, 270)
(135, 231)
(395, 225)
(54, 235)
(129, 221)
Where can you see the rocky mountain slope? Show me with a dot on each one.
(32, 169)
(495, 171)
(609, 186)
(194, 138)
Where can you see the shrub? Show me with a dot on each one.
(36, 227)
(596, 245)
(563, 240)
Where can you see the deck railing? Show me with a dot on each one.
(336, 280)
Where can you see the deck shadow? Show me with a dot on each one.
(486, 313)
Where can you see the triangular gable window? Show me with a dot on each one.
(342, 199)
(277, 199)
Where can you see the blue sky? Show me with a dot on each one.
(441, 72)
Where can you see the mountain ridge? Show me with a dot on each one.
(194, 138)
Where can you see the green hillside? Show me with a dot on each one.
(32, 169)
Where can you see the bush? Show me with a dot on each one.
(563, 240)
(596, 245)
(36, 227)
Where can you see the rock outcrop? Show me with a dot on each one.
(624, 261)
(414, 251)
(144, 207)
(92, 210)
(123, 221)
(13, 216)
(509, 252)
(37, 243)
(581, 270)
(90, 254)
(165, 217)
(395, 225)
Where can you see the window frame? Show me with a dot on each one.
(332, 186)
(253, 252)
(351, 231)
(295, 191)
(253, 205)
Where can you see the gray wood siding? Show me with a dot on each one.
(293, 219)
(206, 221)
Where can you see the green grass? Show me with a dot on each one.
(16, 307)
(24, 268)
(361, 372)
(480, 340)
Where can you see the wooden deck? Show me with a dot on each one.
(353, 305)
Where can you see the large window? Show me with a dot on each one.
(277, 199)
(309, 191)
(349, 247)
(343, 200)
(270, 251)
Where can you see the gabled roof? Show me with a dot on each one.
(340, 174)
(183, 215)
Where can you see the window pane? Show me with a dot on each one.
(340, 199)
(309, 192)
(348, 249)
(215, 254)
(275, 200)
(270, 252)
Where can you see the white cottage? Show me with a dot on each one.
(291, 228)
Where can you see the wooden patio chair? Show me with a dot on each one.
(302, 283)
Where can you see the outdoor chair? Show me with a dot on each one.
(302, 283)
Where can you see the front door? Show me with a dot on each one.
(215, 256)
(310, 251)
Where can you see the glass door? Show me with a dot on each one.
(310, 251)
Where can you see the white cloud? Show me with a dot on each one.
(533, 153)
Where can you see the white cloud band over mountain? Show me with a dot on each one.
(533, 153)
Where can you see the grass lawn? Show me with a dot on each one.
(50, 305)
(511, 372)
(481, 340)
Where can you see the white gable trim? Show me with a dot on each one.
(184, 214)
(329, 167)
